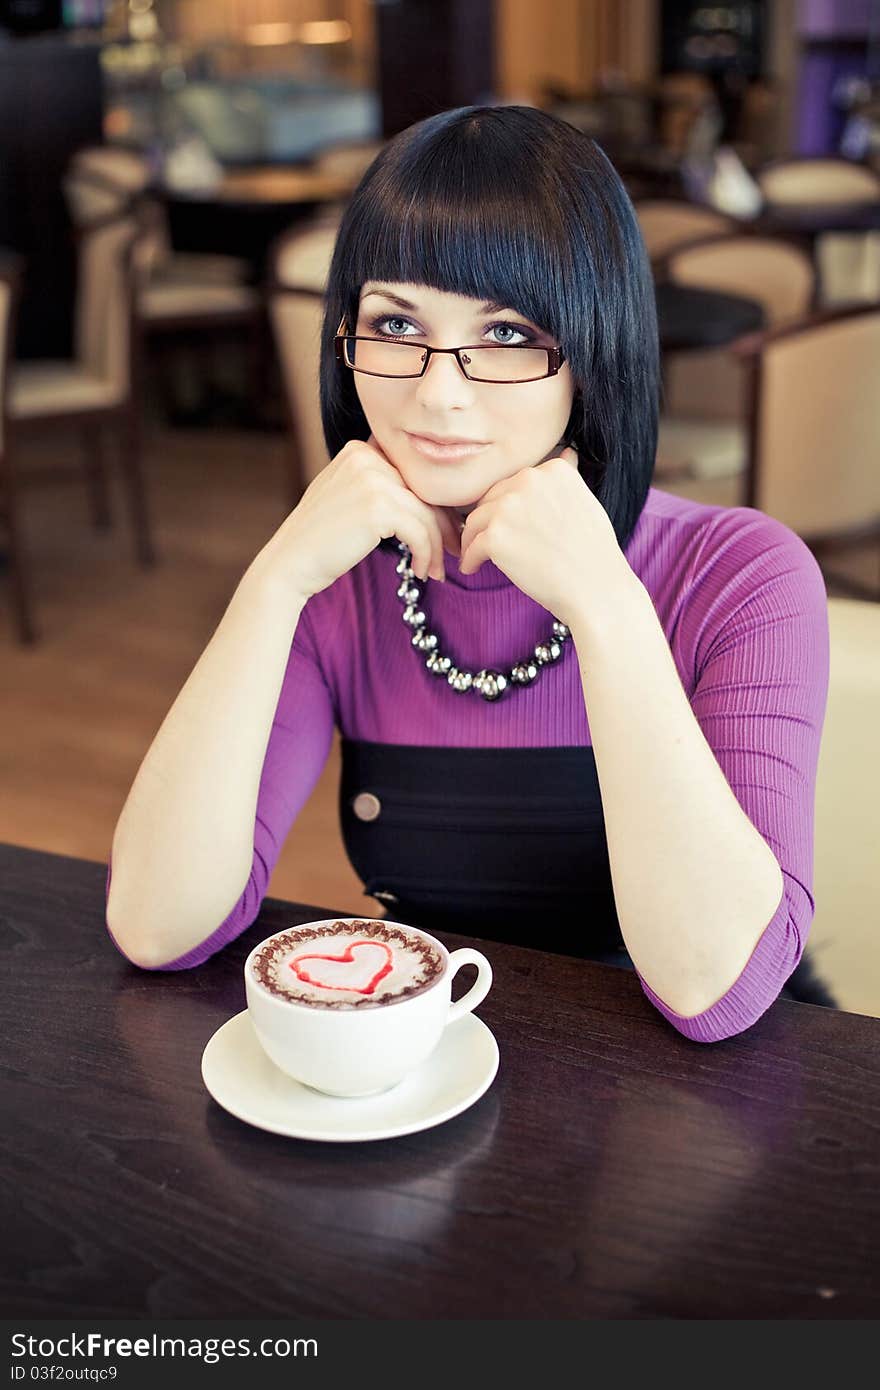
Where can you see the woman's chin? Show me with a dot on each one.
(440, 496)
(459, 509)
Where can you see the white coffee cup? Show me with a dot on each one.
(359, 1051)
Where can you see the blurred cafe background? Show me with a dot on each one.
(172, 173)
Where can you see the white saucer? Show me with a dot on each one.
(242, 1079)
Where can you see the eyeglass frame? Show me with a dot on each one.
(555, 358)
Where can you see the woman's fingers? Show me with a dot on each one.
(416, 526)
(442, 530)
(428, 556)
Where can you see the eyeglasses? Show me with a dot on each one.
(502, 364)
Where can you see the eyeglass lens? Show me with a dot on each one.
(481, 364)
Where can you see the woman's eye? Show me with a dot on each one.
(507, 328)
(378, 326)
(501, 334)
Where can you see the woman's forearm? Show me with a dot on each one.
(183, 846)
(695, 884)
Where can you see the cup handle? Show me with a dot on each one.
(478, 990)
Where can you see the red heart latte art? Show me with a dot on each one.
(328, 978)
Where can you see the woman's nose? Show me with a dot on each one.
(444, 383)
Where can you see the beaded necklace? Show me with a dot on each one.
(489, 683)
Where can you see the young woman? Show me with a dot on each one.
(576, 712)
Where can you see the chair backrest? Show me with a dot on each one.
(91, 200)
(300, 266)
(821, 181)
(669, 222)
(815, 434)
(713, 384)
(105, 300)
(780, 275)
(844, 942)
(121, 168)
(103, 180)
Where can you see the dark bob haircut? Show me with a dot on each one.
(513, 204)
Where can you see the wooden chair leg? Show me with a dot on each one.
(130, 436)
(159, 360)
(257, 367)
(18, 573)
(96, 475)
(178, 383)
(850, 587)
(826, 552)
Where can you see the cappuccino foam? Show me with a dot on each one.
(347, 965)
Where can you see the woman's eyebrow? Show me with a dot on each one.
(490, 307)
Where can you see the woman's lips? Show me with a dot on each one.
(443, 451)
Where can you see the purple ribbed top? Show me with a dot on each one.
(743, 605)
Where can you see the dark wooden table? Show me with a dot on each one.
(690, 318)
(267, 185)
(816, 219)
(248, 209)
(804, 224)
(613, 1169)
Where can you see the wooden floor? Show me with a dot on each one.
(79, 710)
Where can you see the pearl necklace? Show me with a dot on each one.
(490, 684)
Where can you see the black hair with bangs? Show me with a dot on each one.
(512, 204)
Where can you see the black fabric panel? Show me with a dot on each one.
(502, 843)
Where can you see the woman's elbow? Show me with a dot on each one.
(141, 948)
(728, 1018)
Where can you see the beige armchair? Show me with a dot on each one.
(848, 262)
(666, 223)
(108, 178)
(825, 180)
(844, 943)
(300, 263)
(96, 390)
(182, 297)
(813, 441)
(814, 437)
(704, 420)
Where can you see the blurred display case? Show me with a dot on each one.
(271, 92)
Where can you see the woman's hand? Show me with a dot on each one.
(547, 532)
(356, 501)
